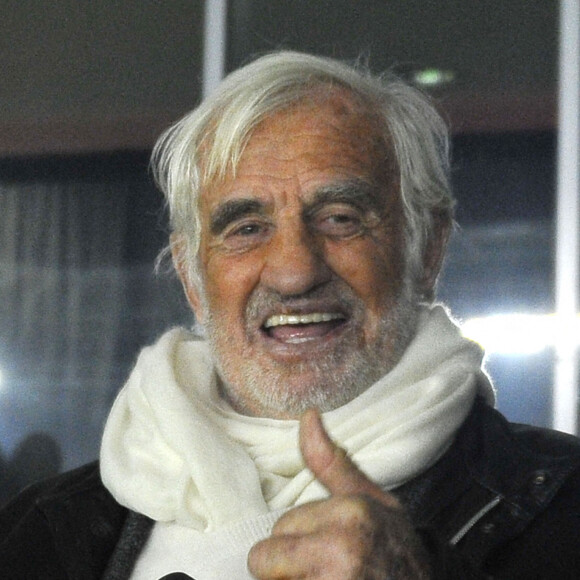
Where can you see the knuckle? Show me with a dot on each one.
(257, 555)
(254, 560)
(355, 509)
(281, 526)
(350, 556)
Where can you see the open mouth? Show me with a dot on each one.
(297, 328)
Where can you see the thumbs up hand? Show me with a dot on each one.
(359, 533)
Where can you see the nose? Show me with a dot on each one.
(295, 261)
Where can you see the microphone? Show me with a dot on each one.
(176, 576)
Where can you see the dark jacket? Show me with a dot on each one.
(503, 502)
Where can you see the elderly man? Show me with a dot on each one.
(333, 423)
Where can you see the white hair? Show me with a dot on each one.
(208, 142)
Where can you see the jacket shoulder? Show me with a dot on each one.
(67, 523)
(546, 441)
(495, 445)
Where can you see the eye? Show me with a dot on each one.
(340, 221)
(247, 230)
(246, 234)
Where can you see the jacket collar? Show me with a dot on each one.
(495, 471)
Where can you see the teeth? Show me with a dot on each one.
(281, 319)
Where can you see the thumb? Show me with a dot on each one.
(331, 465)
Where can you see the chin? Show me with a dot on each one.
(286, 395)
(263, 386)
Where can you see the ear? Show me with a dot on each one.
(435, 253)
(192, 292)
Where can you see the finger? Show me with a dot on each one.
(321, 556)
(279, 558)
(304, 519)
(331, 465)
(334, 513)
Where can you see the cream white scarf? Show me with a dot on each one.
(173, 451)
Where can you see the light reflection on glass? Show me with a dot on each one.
(519, 333)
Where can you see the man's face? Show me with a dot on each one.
(304, 295)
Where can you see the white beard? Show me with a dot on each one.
(341, 375)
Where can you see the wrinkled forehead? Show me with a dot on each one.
(333, 114)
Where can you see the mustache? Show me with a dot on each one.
(334, 296)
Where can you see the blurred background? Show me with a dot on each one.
(87, 86)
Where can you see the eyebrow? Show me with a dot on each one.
(354, 191)
(232, 210)
(365, 195)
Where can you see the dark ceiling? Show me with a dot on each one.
(109, 76)
(503, 53)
